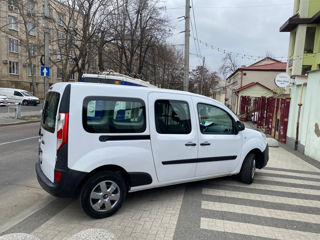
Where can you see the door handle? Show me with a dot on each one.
(190, 144)
(205, 143)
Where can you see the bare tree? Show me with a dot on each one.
(269, 54)
(203, 81)
(229, 65)
(137, 25)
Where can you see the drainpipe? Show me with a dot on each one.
(298, 120)
(241, 78)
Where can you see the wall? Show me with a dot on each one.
(293, 114)
(265, 78)
(312, 147)
(314, 7)
(309, 134)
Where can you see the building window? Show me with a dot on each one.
(31, 28)
(13, 45)
(11, 5)
(306, 69)
(13, 23)
(60, 19)
(13, 67)
(29, 70)
(310, 36)
(31, 7)
(32, 48)
(59, 73)
(71, 75)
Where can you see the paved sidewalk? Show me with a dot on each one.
(282, 203)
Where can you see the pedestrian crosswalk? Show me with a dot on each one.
(280, 204)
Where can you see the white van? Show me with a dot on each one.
(102, 141)
(19, 96)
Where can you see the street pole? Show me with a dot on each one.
(46, 43)
(186, 47)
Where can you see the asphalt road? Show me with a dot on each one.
(18, 153)
(4, 109)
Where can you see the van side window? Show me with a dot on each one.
(114, 115)
(172, 117)
(214, 120)
(16, 93)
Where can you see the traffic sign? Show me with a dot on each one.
(44, 71)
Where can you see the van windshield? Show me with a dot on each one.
(49, 111)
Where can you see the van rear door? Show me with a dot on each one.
(48, 134)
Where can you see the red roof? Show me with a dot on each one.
(252, 84)
(276, 66)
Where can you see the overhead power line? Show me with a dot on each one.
(249, 56)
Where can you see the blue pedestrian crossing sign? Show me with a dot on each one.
(44, 71)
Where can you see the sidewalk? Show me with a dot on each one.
(9, 118)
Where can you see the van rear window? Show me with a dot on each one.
(49, 111)
(114, 115)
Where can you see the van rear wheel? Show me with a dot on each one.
(248, 169)
(103, 194)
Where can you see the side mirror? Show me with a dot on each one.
(240, 126)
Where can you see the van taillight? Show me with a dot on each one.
(62, 133)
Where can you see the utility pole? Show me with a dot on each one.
(202, 75)
(186, 47)
(46, 43)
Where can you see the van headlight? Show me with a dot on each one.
(264, 136)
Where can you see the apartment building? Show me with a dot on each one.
(21, 31)
(304, 28)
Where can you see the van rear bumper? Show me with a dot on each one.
(66, 187)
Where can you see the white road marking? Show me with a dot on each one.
(257, 211)
(284, 173)
(260, 197)
(19, 140)
(255, 230)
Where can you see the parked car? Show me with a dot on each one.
(19, 96)
(3, 100)
(102, 141)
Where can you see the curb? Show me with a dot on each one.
(18, 123)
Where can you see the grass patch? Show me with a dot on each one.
(29, 118)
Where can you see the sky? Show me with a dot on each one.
(247, 28)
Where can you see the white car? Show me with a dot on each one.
(102, 141)
(19, 96)
(3, 100)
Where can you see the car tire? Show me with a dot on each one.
(103, 194)
(248, 169)
(24, 102)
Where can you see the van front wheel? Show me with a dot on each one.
(248, 169)
(103, 194)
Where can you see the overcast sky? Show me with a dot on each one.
(249, 27)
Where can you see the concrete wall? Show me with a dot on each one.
(309, 130)
(312, 148)
(293, 114)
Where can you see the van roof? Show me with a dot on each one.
(134, 88)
